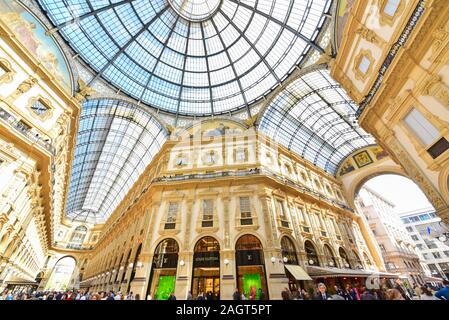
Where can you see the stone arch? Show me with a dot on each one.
(366, 175)
(248, 232)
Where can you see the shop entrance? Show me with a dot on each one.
(206, 269)
(163, 271)
(251, 278)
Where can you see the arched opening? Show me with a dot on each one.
(163, 271)
(346, 263)
(329, 256)
(125, 267)
(134, 266)
(367, 260)
(394, 205)
(311, 254)
(61, 275)
(358, 263)
(250, 264)
(295, 274)
(206, 268)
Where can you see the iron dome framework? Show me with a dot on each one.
(116, 141)
(191, 57)
(315, 118)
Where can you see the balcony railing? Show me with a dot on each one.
(24, 130)
(255, 171)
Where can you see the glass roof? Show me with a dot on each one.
(115, 143)
(315, 118)
(191, 57)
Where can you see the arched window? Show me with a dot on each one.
(329, 256)
(163, 272)
(250, 266)
(61, 275)
(311, 254)
(288, 251)
(367, 260)
(358, 262)
(206, 268)
(345, 259)
(78, 236)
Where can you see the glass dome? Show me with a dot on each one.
(191, 57)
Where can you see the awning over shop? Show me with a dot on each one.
(297, 272)
(20, 282)
(433, 279)
(318, 272)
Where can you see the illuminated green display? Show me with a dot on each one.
(251, 280)
(165, 286)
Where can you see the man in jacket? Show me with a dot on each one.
(236, 294)
(322, 292)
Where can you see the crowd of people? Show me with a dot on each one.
(66, 295)
(348, 292)
(397, 292)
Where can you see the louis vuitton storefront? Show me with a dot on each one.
(206, 269)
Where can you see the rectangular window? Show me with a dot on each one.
(364, 65)
(438, 148)
(240, 155)
(382, 248)
(245, 211)
(409, 229)
(446, 253)
(415, 237)
(436, 255)
(171, 215)
(391, 7)
(282, 215)
(421, 127)
(39, 108)
(430, 244)
(208, 213)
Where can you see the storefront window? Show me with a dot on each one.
(250, 267)
(163, 272)
(330, 258)
(312, 256)
(206, 268)
(344, 258)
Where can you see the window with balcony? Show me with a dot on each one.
(245, 211)
(282, 214)
(208, 213)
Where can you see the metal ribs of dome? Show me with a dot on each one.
(157, 55)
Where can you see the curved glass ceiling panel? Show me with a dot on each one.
(191, 57)
(315, 118)
(116, 141)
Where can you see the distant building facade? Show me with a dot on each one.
(397, 247)
(424, 227)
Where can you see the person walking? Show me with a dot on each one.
(262, 295)
(285, 294)
(189, 296)
(172, 296)
(443, 293)
(394, 294)
(418, 291)
(236, 294)
(427, 294)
